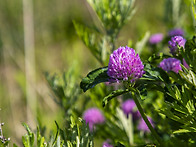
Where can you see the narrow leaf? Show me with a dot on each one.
(181, 131)
(193, 77)
(93, 78)
(30, 135)
(114, 94)
(57, 133)
(25, 141)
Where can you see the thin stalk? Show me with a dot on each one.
(146, 120)
(194, 13)
(29, 49)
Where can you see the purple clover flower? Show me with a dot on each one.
(170, 64)
(128, 107)
(93, 116)
(125, 65)
(156, 38)
(175, 42)
(142, 125)
(176, 32)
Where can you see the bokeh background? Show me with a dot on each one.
(53, 46)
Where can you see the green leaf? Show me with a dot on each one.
(190, 77)
(127, 124)
(169, 114)
(154, 73)
(90, 37)
(188, 100)
(193, 77)
(57, 134)
(174, 92)
(181, 131)
(120, 145)
(40, 139)
(154, 58)
(114, 94)
(93, 78)
(86, 138)
(25, 141)
(176, 77)
(69, 144)
(28, 137)
(55, 83)
(186, 129)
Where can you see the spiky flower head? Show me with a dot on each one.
(124, 64)
(170, 64)
(176, 32)
(156, 38)
(175, 42)
(142, 125)
(129, 107)
(93, 116)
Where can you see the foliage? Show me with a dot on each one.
(167, 97)
(65, 89)
(77, 135)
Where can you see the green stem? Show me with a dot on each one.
(146, 120)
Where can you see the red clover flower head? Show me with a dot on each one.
(93, 116)
(175, 42)
(142, 125)
(128, 107)
(176, 32)
(156, 38)
(124, 64)
(170, 64)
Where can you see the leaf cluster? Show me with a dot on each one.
(77, 134)
(65, 89)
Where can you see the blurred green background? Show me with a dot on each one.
(56, 49)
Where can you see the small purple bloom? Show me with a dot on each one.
(142, 125)
(93, 116)
(170, 64)
(156, 38)
(185, 64)
(176, 32)
(175, 42)
(129, 107)
(106, 144)
(124, 64)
